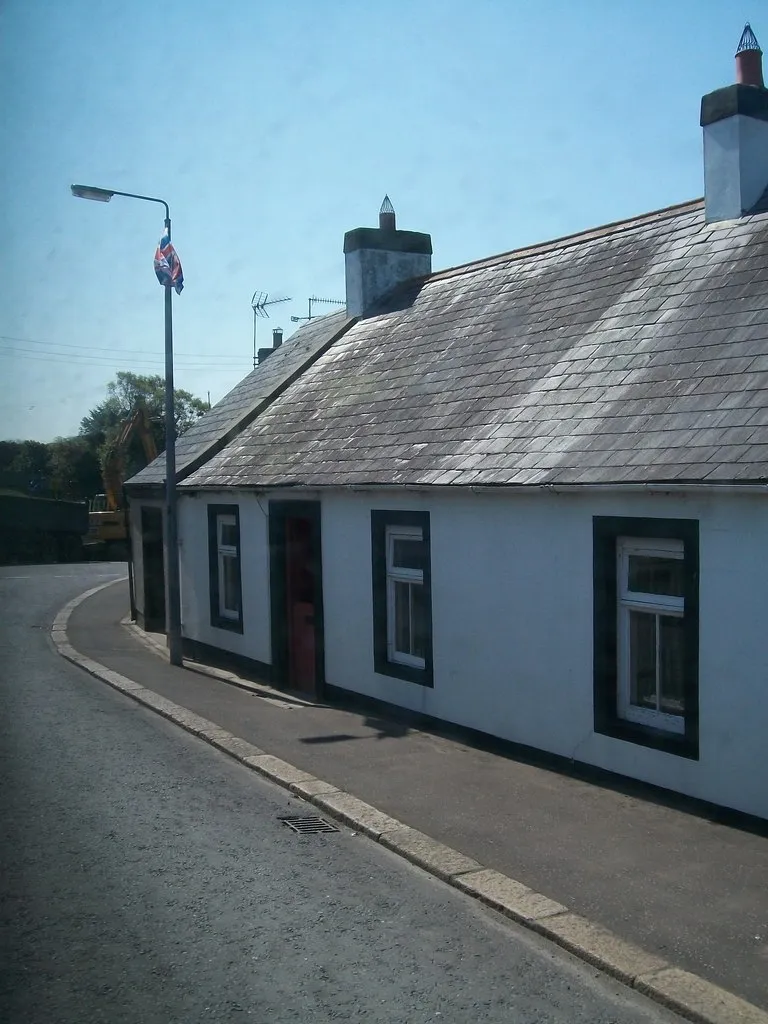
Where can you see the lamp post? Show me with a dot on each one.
(173, 590)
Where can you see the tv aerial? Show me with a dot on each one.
(313, 301)
(259, 303)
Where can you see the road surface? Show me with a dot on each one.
(147, 878)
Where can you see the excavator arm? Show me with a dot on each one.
(113, 468)
(107, 520)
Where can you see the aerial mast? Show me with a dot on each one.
(313, 301)
(259, 303)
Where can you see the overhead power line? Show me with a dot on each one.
(102, 348)
(117, 361)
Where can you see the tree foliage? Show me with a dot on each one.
(70, 467)
(25, 465)
(75, 469)
(124, 394)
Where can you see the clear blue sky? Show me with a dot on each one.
(273, 126)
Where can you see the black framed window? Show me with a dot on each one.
(646, 631)
(402, 595)
(224, 567)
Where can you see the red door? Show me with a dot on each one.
(300, 600)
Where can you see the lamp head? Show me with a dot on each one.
(99, 195)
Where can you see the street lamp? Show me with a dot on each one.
(173, 599)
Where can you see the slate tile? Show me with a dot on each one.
(745, 472)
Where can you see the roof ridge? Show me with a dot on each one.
(566, 241)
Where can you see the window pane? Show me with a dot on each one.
(407, 553)
(650, 575)
(672, 667)
(403, 617)
(230, 590)
(229, 535)
(642, 660)
(419, 619)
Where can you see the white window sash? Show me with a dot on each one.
(402, 533)
(654, 604)
(400, 574)
(221, 522)
(393, 654)
(671, 549)
(226, 551)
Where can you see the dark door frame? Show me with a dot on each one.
(149, 619)
(279, 512)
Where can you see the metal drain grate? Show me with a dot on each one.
(309, 824)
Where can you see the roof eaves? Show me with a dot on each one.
(661, 484)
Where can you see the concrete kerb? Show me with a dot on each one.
(699, 1000)
(260, 689)
(686, 994)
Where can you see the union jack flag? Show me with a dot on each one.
(168, 265)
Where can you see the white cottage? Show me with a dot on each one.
(528, 495)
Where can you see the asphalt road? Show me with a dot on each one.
(145, 877)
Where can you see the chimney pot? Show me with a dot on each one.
(749, 60)
(387, 216)
(277, 337)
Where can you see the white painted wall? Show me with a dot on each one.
(735, 166)
(512, 621)
(512, 628)
(254, 641)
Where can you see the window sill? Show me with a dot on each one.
(407, 661)
(420, 676)
(648, 736)
(232, 625)
(666, 725)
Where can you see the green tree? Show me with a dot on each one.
(28, 462)
(127, 391)
(10, 479)
(75, 468)
(8, 452)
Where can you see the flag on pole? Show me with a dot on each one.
(168, 265)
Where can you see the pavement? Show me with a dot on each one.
(667, 900)
(147, 879)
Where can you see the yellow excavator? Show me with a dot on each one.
(107, 519)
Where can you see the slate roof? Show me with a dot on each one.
(637, 352)
(229, 416)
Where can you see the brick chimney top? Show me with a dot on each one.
(749, 60)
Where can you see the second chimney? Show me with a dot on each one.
(378, 259)
(735, 123)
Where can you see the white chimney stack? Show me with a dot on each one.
(735, 123)
(378, 259)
